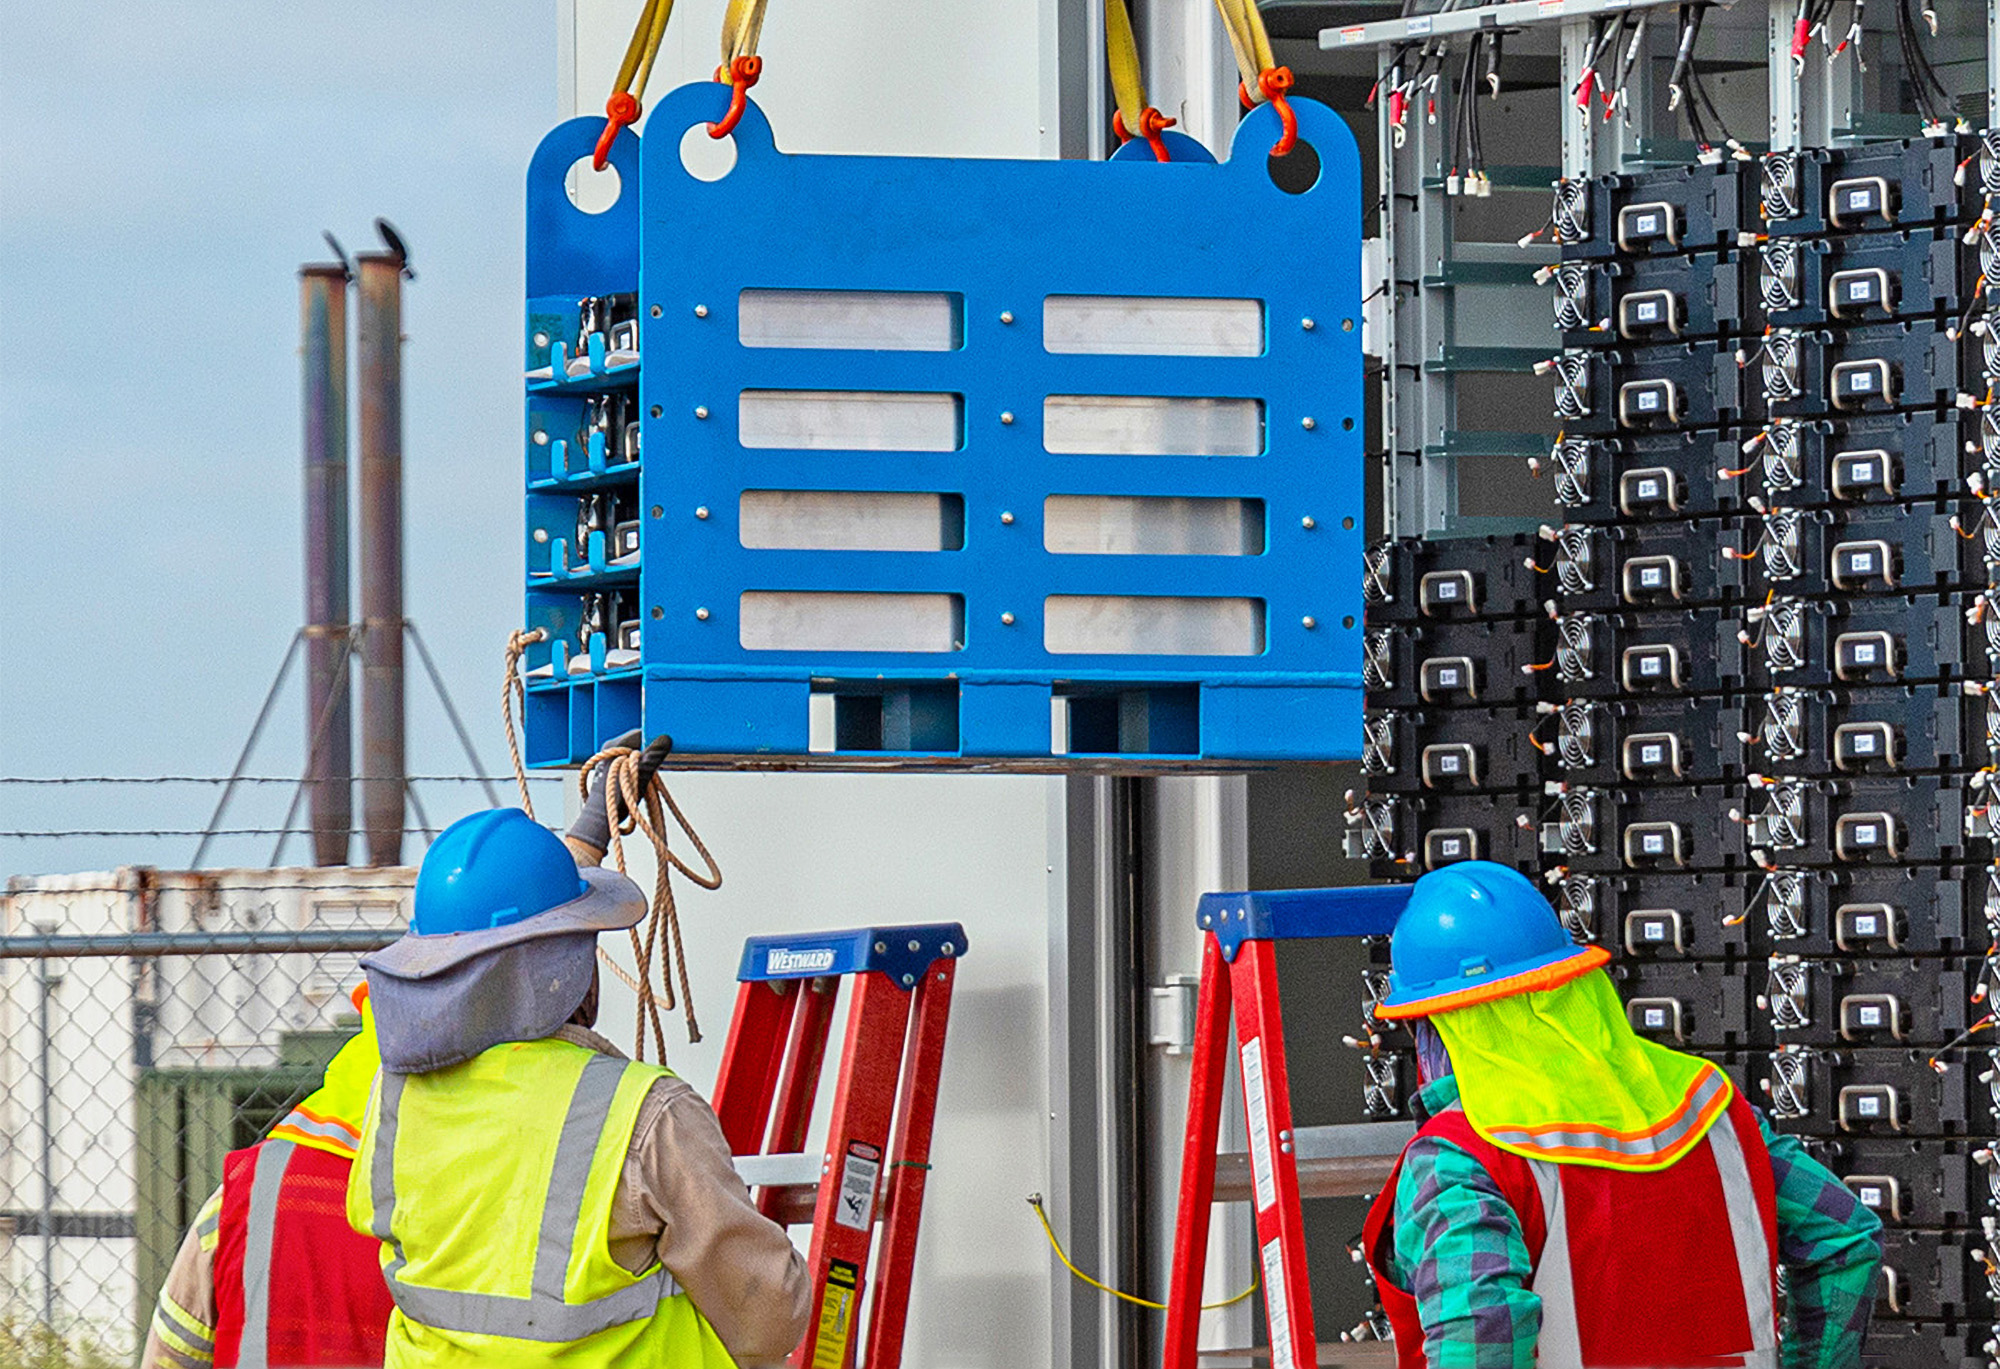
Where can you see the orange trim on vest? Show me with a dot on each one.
(1717, 1105)
(1528, 981)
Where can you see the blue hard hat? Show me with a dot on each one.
(1473, 932)
(492, 869)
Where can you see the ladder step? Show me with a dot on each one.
(779, 1171)
(1344, 1161)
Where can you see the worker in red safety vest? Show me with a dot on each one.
(1579, 1197)
(271, 1276)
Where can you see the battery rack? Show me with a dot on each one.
(1734, 700)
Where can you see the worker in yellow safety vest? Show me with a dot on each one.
(540, 1199)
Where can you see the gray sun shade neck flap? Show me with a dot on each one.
(521, 992)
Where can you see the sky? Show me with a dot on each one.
(163, 172)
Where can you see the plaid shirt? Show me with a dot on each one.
(1459, 1250)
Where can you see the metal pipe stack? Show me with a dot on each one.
(379, 336)
(329, 764)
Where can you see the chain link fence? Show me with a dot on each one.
(150, 1023)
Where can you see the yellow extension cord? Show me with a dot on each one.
(1035, 1201)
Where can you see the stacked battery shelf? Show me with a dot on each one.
(1737, 705)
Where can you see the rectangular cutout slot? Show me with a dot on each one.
(851, 320)
(1151, 425)
(850, 520)
(1151, 525)
(1136, 325)
(850, 420)
(1151, 625)
(807, 620)
(1163, 720)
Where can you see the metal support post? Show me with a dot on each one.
(48, 979)
(1993, 63)
(380, 339)
(1787, 123)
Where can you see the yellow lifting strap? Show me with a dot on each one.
(1247, 38)
(742, 28)
(627, 92)
(1121, 49)
(1136, 118)
(1263, 79)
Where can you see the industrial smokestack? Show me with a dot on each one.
(380, 347)
(329, 766)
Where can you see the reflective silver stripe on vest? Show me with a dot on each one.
(1705, 1093)
(1753, 1250)
(260, 1225)
(543, 1315)
(1561, 1345)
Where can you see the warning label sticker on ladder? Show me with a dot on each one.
(855, 1207)
(836, 1316)
(1260, 1122)
(1279, 1312)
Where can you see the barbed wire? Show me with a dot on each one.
(59, 780)
(53, 834)
(28, 884)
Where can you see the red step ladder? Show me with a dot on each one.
(1239, 969)
(877, 1152)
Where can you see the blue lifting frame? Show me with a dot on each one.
(663, 639)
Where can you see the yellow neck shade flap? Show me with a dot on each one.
(1560, 1075)
(330, 1117)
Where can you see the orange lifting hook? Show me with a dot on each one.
(1272, 83)
(742, 74)
(1151, 124)
(621, 109)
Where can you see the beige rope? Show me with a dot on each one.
(630, 810)
(514, 699)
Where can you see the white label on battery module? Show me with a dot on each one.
(1447, 589)
(1650, 665)
(1865, 654)
(1655, 931)
(1260, 1122)
(1868, 1107)
(1656, 1017)
(1652, 753)
(1646, 223)
(1448, 677)
(1448, 763)
(1867, 925)
(1646, 312)
(1871, 1196)
(1864, 743)
(1649, 400)
(1653, 844)
(1867, 834)
(1649, 489)
(1871, 1017)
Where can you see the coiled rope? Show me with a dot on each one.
(628, 809)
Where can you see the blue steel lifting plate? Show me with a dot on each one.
(1015, 465)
